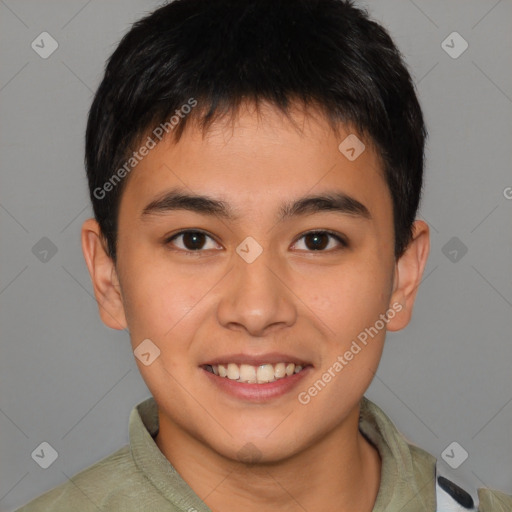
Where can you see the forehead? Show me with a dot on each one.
(257, 158)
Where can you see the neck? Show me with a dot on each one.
(340, 472)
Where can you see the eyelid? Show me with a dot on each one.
(341, 239)
(170, 238)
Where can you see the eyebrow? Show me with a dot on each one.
(178, 199)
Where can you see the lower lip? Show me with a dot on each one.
(257, 392)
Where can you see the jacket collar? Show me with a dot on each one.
(408, 474)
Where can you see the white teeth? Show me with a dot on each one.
(255, 374)
(233, 371)
(280, 370)
(247, 373)
(265, 373)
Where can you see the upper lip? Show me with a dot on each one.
(256, 359)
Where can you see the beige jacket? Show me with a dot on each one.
(138, 477)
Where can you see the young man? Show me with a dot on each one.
(255, 168)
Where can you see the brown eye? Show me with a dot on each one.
(316, 241)
(320, 241)
(192, 241)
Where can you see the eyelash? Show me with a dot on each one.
(341, 240)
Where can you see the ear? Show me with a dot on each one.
(408, 273)
(104, 276)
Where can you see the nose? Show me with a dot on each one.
(257, 298)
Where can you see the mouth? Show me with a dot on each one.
(256, 378)
(255, 374)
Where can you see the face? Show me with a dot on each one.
(259, 261)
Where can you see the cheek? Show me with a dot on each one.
(347, 299)
(158, 296)
(323, 303)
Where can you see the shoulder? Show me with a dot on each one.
(91, 489)
(452, 498)
(427, 489)
(494, 501)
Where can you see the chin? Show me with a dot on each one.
(259, 450)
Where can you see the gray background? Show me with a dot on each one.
(68, 380)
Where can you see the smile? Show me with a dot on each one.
(261, 374)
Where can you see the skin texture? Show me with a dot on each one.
(308, 304)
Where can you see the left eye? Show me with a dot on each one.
(193, 241)
(320, 241)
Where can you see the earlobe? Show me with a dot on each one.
(408, 274)
(103, 275)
